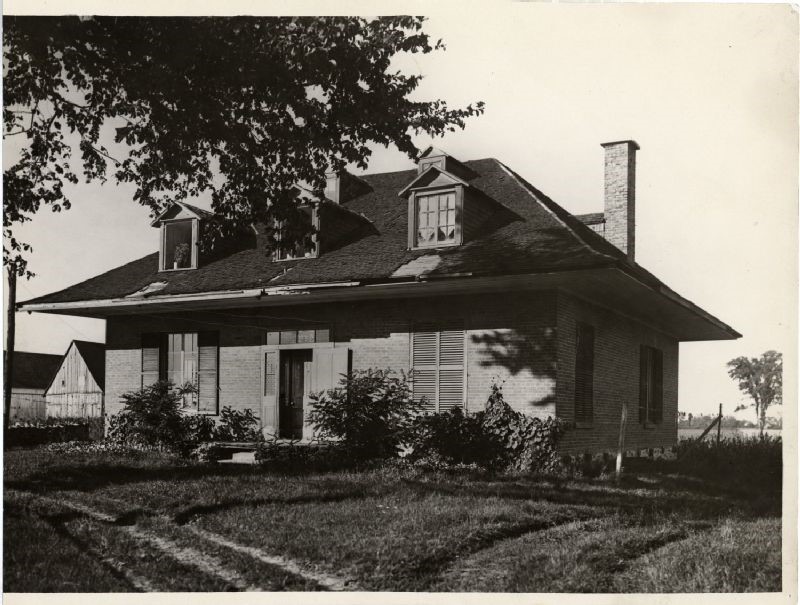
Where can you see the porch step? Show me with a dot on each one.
(241, 458)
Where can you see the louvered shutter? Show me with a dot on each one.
(451, 369)
(151, 359)
(644, 382)
(438, 363)
(423, 359)
(269, 402)
(208, 372)
(657, 385)
(584, 373)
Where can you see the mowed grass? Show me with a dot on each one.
(392, 528)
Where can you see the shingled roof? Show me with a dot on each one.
(542, 237)
(94, 355)
(33, 370)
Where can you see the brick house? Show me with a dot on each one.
(461, 271)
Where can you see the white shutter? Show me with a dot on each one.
(438, 363)
(269, 400)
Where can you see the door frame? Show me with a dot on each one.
(277, 348)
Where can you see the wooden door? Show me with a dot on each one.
(292, 393)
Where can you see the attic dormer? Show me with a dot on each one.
(179, 237)
(443, 208)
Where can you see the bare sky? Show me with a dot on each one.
(709, 93)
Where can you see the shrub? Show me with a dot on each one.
(371, 413)
(748, 460)
(153, 417)
(529, 444)
(453, 438)
(237, 425)
(293, 457)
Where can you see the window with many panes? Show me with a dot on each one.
(651, 385)
(436, 218)
(437, 358)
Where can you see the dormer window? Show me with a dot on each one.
(180, 229)
(436, 218)
(301, 248)
(179, 245)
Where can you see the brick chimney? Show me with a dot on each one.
(620, 195)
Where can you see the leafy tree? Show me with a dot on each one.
(242, 108)
(761, 378)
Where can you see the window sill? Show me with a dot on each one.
(584, 425)
(178, 269)
(436, 246)
(286, 260)
(649, 426)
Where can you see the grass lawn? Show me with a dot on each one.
(111, 523)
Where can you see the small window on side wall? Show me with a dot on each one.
(179, 245)
(651, 385)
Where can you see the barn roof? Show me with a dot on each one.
(33, 370)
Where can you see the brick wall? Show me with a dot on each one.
(616, 378)
(510, 341)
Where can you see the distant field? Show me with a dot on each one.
(726, 432)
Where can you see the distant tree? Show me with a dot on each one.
(761, 378)
(244, 108)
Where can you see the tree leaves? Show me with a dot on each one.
(761, 379)
(241, 107)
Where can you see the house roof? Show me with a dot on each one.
(33, 370)
(94, 355)
(540, 237)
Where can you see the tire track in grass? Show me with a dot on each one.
(190, 557)
(126, 518)
(330, 582)
(115, 566)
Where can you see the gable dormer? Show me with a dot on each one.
(443, 208)
(179, 236)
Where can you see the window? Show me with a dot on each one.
(290, 337)
(437, 357)
(179, 245)
(301, 249)
(584, 374)
(183, 357)
(436, 219)
(651, 385)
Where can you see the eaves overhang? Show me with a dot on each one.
(611, 287)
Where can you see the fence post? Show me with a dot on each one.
(719, 423)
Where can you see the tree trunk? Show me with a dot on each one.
(9, 352)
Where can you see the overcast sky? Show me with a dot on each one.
(708, 92)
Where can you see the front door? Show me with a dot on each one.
(292, 392)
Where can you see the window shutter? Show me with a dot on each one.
(438, 362)
(657, 397)
(207, 372)
(269, 406)
(644, 382)
(151, 359)
(584, 373)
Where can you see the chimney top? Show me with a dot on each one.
(630, 142)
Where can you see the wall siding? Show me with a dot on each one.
(74, 391)
(616, 378)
